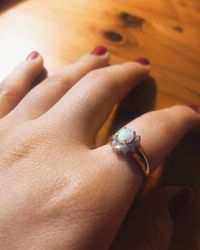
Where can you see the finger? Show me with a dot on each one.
(150, 225)
(161, 131)
(19, 82)
(94, 96)
(122, 177)
(46, 94)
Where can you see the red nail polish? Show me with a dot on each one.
(99, 51)
(195, 107)
(32, 55)
(143, 61)
(179, 204)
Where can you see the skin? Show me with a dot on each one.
(57, 189)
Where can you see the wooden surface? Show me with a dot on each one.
(165, 31)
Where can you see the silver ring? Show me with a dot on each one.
(125, 141)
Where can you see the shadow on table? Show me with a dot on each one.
(7, 4)
(182, 168)
(139, 101)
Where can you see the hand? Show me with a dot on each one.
(57, 190)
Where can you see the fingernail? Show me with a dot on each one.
(99, 51)
(143, 61)
(32, 55)
(195, 107)
(179, 204)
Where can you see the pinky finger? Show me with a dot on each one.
(162, 130)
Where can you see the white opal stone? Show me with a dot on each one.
(125, 135)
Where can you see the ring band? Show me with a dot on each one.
(142, 161)
(125, 141)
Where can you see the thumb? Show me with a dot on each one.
(151, 223)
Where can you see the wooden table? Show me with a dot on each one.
(166, 32)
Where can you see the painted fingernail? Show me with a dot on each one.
(179, 204)
(99, 51)
(143, 61)
(32, 55)
(195, 107)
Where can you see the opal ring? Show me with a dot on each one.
(125, 141)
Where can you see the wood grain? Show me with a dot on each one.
(166, 32)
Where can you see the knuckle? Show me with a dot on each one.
(26, 141)
(106, 78)
(92, 63)
(10, 90)
(160, 119)
(182, 109)
(97, 74)
(58, 78)
(12, 86)
(64, 80)
(176, 118)
(185, 113)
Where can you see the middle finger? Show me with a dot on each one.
(86, 106)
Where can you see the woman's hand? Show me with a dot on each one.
(57, 190)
